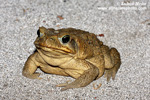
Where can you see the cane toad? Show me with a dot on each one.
(72, 52)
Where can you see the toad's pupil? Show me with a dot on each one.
(66, 39)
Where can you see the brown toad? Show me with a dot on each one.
(72, 52)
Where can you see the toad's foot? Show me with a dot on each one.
(63, 84)
(33, 76)
(112, 72)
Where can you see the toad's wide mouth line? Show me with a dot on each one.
(52, 49)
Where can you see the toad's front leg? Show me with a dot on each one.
(86, 78)
(30, 68)
(35, 61)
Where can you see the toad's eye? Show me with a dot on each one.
(40, 34)
(65, 39)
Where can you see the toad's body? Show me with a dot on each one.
(72, 52)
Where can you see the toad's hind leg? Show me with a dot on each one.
(86, 78)
(116, 61)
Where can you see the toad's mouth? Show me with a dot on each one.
(54, 49)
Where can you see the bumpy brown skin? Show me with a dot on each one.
(72, 52)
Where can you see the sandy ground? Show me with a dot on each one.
(125, 25)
